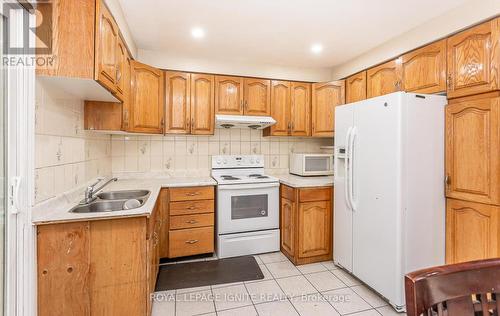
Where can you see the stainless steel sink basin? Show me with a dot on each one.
(113, 201)
(123, 195)
(100, 206)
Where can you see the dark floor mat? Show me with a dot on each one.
(203, 273)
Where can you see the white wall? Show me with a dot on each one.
(175, 62)
(116, 9)
(459, 18)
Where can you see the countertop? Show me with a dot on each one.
(57, 209)
(305, 182)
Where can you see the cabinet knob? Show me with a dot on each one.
(192, 221)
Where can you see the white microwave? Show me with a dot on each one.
(311, 164)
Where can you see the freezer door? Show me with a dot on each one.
(376, 196)
(342, 220)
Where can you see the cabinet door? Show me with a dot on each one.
(472, 150)
(280, 107)
(147, 104)
(424, 69)
(178, 96)
(384, 79)
(474, 60)
(288, 215)
(300, 114)
(471, 231)
(257, 97)
(63, 269)
(355, 87)
(315, 229)
(325, 97)
(121, 63)
(228, 95)
(106, 47)
(202, 104)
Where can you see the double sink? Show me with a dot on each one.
(114, 201)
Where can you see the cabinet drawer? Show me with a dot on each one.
(188, 242)
(315, 194)
(288, 192)
(189, 194)
(191, 207)
(191, 221)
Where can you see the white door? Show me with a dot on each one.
(376, 196)
(342, 222)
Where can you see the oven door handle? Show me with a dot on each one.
(248, 186)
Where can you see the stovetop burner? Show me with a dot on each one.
(256, 175)
(230, 178)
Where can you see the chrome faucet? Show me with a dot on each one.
(91, 190)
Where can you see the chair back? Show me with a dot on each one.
(463, 289)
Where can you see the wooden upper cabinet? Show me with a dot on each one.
(300, 113)
(122, 56)
(178, 102)
(474, 60)
(229, 95)
(472, 150)
(280, 108)
(325, 97)
(202, 104)
(472, 231)
(383, 79)
(424, 69)
(106, 58)
(147, 99)
(257, 94)
(315, 229)
(355, 87)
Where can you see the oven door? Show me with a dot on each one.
(247, 207)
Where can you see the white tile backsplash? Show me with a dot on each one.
(67, 156)
(191, 155)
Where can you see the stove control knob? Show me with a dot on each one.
(252, 161)
(219, 161)
(224, 161)
(258, 160)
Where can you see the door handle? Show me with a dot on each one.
(351, 168)
(346, 168)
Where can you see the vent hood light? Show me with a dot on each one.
(244, 121)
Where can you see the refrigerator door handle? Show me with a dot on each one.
(352, 141)
(346, 168)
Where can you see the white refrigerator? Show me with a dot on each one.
(389, 203)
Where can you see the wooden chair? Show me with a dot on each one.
(463, 289)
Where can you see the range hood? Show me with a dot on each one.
(244, 121)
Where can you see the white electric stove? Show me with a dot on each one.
(247, 218)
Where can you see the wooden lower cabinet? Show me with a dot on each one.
(102, 267)
(306, 224)
(472, 231)
(188, 221)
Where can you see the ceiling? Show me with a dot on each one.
(277, 32)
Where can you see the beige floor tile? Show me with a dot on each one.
(282, 269)
(231, 297)
(296, 286)
(311, 268)
(370, 312)
(277, 308)
(194, 303)
(258, 259)
(273, 257)
(325, 281)
(313, 305)
(329, 265)
(368, 295)
(163, 308)
(265, 291)
(242, 311)
(389, 311)
(346, 277)
(346, 301)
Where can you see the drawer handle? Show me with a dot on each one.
(191, 208)
(192, 221)
(193, 194)
(193, 241)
